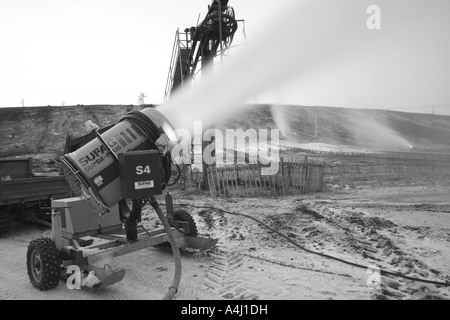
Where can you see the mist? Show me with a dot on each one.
(375, 133)
(302, 39)
(309, 49)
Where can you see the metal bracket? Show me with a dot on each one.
(57, 229)
(169, 205)
(103, 142)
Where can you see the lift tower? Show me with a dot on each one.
(196, 47)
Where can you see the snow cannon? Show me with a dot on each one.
(130, 160)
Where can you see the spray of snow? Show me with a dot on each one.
(293, 51)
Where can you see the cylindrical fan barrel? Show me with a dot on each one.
(139, 130)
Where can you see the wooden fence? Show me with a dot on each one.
(293, 177)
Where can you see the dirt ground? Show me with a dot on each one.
(397, 223)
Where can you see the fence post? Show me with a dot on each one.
(255, 179)
(306, 175)
(275, 185)
(289, 173)
(218, 180)
(294, 174)
(322, 178)
(211, 183)
(244, 175)
(223, 179)
(300, 167)
(282, 176)
(236, 178)
(260, 178)
(226, 180)
(251, 179)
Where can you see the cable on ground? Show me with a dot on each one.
(382, 271)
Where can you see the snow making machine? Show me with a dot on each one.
(114, 176)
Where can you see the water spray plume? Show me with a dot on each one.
(295, 43)
(374, 133)
(279, 117)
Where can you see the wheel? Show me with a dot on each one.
(43, 264)
(5, 220)
(184, 216)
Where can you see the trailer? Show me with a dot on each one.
(23, 194)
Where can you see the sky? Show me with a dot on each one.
(108, 52)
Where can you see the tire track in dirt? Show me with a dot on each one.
(188, 289)
(155, 267)
(223, 277)
(306, 278)
(7, 292)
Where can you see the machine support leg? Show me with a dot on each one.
(57, 229)
(132, 220)
(131, 230)
(169, 206)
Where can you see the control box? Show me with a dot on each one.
(79, 218)
(140, 174)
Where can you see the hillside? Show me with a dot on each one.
(37, 130)
(361, 128)
(43, 130)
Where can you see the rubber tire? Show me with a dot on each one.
(182, 215)
(50, 264)
(5, 221)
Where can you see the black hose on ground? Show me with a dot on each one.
(382, 271)
(176, 252)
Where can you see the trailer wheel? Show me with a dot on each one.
(184, 216)
(43, 264)
(5, 220)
